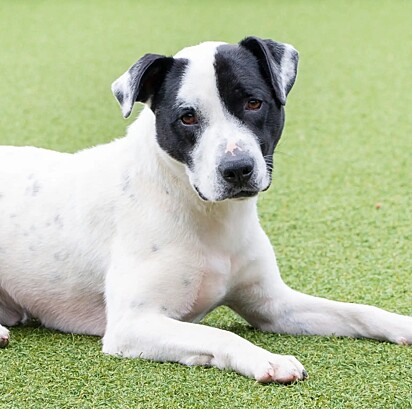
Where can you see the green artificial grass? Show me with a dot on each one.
(346, 147)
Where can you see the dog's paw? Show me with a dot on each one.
(281, 369)
(4, 337)
(400, 330)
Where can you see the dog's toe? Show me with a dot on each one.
(402, 341)
(4, 337)
(282, 369)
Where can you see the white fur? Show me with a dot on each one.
(287, 68)
(114, 241)
(123, 84)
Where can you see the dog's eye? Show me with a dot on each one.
(253, 104)
(189, 119)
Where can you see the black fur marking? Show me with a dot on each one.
(173, 136)
(155, 248)
(269, 53)
(239, 79)
(146, 75)
(34, 189)
(58, 221)
(126, 180)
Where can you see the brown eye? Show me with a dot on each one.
(253, 104)
(189, 119)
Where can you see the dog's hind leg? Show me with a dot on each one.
(302, 314)
(4, 337)
(10, 314)
(262, 298)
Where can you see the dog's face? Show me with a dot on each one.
(219, 110)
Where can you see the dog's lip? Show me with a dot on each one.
(244, 194)
(200, 194)
(237, 194)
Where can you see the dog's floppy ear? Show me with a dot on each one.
(278, 62)
(141, 81)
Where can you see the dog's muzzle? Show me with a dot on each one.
(238, 176)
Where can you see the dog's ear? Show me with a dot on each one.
(141, 81)
(278, 62)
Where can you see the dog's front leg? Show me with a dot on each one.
(160, 338)
(140, 324)
(267, 303)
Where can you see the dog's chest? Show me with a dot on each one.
(211, 286)
(217, 254)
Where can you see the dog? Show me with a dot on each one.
(138, 239)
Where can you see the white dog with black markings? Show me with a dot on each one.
(138, 239)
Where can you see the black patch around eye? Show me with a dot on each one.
(172, 135)
(239, 79)
(188, 132)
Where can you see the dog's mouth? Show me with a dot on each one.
(243, 194)
(233, 194)
(200, 194)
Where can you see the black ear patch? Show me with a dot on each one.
(278, 63)
(141, 81)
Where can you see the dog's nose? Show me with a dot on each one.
(237, 171)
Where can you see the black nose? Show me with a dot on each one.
(237, 171)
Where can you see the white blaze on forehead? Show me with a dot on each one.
(199, 88)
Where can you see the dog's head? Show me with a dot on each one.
(219, 110)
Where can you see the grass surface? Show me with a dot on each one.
(347, 146)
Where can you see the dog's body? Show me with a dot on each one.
(137, 240)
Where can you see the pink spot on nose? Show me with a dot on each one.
(231, 147)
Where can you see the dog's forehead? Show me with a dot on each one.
(216, 76)
(199, 75)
